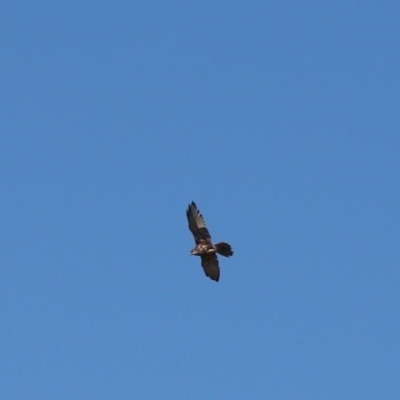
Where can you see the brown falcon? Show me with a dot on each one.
(204, 247)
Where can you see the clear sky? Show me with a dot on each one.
(281, 119)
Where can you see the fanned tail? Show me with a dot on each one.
(224, 249)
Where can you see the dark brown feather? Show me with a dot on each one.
(210, 264)
(224, 249)
(197, 225)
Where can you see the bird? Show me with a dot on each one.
(204, 247)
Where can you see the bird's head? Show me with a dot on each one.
(194, 252)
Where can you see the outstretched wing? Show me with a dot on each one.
(209, 262)
(197, 225)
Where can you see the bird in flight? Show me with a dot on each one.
(204, 247)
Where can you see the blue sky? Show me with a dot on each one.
(280, 119)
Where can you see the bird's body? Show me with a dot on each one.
(204, 247)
